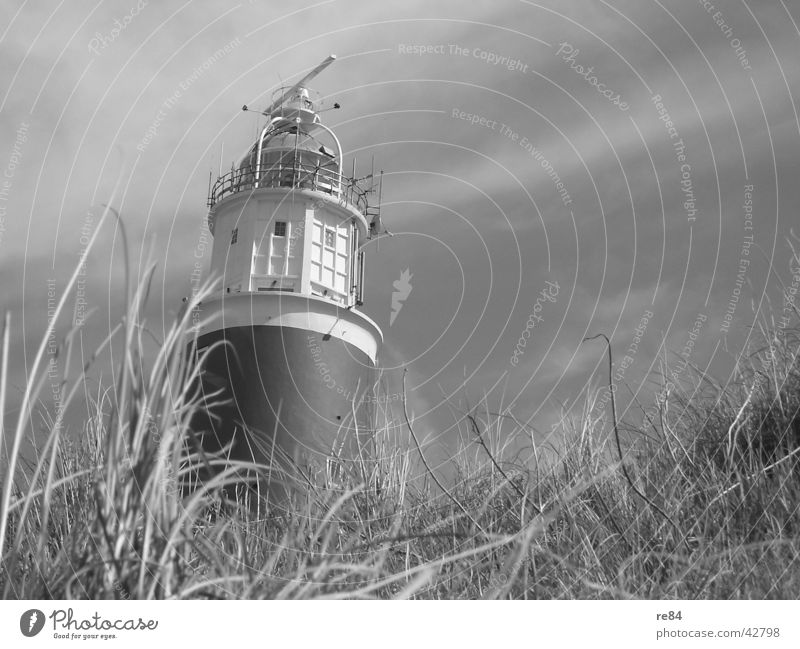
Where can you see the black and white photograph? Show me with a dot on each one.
(348, 300)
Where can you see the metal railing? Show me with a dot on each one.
(297, 176)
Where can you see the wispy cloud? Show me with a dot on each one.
(477, 205)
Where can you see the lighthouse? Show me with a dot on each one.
(290, 359)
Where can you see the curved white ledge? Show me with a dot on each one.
(293, 310)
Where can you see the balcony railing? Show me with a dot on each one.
(297, 176)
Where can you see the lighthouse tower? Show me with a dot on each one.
(290, 370)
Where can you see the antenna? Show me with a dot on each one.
(279, 101)
(280, 81)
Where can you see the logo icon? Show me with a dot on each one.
(402, 290)
(31, 622)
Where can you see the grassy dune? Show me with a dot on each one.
(704, 504)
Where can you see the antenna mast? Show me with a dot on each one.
(300, 84)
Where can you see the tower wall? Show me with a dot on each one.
(289, 360)
(297, 241)
(289, 379)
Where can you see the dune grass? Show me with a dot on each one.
(703, 505)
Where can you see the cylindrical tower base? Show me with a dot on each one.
(288, 384)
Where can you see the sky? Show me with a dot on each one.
(552, 171)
